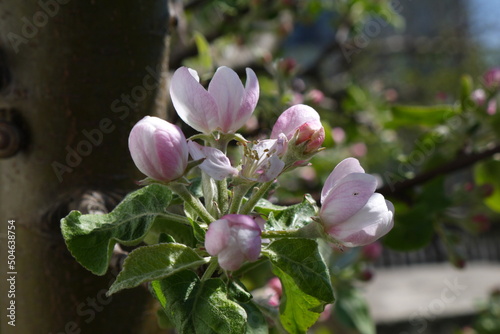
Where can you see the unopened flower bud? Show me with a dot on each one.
(372, 252)
(478, 96)
(491, 109)
(301, 126)
(309, 132)
(492, 78)
(366, 275)
(158, 148)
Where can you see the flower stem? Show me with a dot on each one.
(310, 231)
(252, 201)
(211, 268)
(222, 196)
(192, 201)
(175, 218)
(238, 194)
(207, 186)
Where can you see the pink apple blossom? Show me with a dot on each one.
(234, 239)
(158, 149)
(478, 96)
(225, 106)
(261, 161)
(351, 212)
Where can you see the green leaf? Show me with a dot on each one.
(265, 207)
(162, 319)
(181, 233)
(153, 263)
(422, 115)
(238, 291)
(306, 282)
(199, 307)
(352, 310)
(488, 172)
(91, 238)
(294, 216)
(256, 323)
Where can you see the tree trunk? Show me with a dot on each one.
(78, 75)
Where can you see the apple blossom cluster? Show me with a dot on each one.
(486, 97)
(351, 212)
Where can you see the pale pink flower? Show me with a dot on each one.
(351, 212)
(478, 96)
(261, 162)
(234, 239)
(225, 106)
(158, 149)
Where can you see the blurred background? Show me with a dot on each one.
(397, 86)
(410, 88)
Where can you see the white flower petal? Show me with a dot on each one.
(217, 165)
(345, 167)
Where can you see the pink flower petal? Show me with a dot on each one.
(228, 92)
(217, 165)
(249, 100)
(294, 117)
(194, 105)
(348, 196)
(345, 167)
(373, 221)
(217, 237)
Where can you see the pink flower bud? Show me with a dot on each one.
(304, 120)
(366, 275)
(234, 239)
(372, 252)
(491, 109)
(351, 212)
(225, 106)
(308, 132)
(492, 78)
(478, 96)
(158, 148)
(316, 96)
(274, 290)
